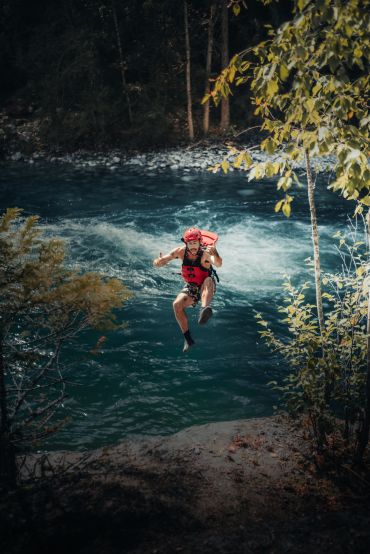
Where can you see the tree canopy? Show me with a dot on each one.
(310, 81)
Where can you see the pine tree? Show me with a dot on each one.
(43, 306)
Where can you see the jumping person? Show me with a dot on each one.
(198, 274)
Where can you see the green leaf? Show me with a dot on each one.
(310, 104)
(359, 209)
(232, 73)
(268, 145)
(238, 160)
(281, 183)
(272, 87)
(287, 209)
(323, 131)
(297, 181)
(301, 52)
(316, 89)
(365, 121)
(275, 168)
(236, 9)
(247, 160)
(283, 72)
(278, 205)
(225, 166)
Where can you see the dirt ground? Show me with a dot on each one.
(246, 486)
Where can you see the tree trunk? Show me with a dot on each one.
(315, 240)
(208, 68)
(225, 104)
(321, 431)
(188, 76)
(121, 63)
(363, 438)
(8, 467)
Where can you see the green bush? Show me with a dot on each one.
(43, 307)
(327, 381)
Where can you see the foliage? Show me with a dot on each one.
(311, 85)
(43, 306)
(330, 388)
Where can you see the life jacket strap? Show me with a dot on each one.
(214, 274)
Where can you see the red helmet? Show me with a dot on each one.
(192, 234)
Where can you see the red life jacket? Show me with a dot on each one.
(192, 271)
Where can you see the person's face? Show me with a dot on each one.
(193, 246)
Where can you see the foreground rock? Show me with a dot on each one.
(242, 486)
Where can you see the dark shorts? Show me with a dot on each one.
(194, 291)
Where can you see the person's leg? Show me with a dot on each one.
(207, 293)
(182, 302)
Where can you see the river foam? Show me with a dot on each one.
(256, 253)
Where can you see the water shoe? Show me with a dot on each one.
(205, 315)
(188, 342)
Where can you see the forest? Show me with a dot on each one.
(93, 74)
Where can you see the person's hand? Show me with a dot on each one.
(212, 250)
(157, 261)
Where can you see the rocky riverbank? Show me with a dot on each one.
(22, 143)
(179, 158)
(183, 158)
(246, 486)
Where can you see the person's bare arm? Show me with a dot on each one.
(163, 260)
(213, 257)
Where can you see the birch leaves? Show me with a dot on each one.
(310, 81)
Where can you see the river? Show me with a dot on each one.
(116, 222)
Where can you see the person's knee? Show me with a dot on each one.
(208, 283)
(177, 305)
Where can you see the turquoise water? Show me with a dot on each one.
(116, 223)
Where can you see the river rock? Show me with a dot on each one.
(16, 157)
